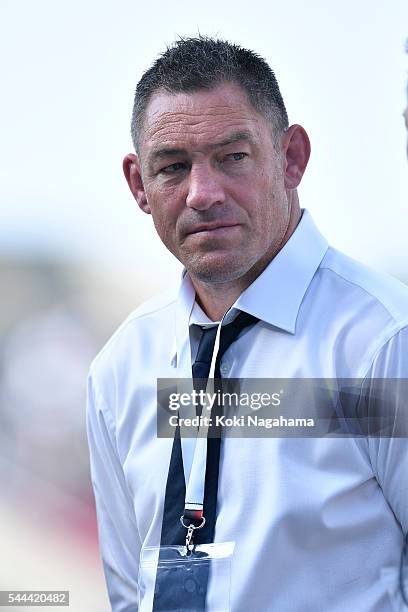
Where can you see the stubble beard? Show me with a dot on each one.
(222, 271)
(225, 268)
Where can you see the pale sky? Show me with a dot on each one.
(69, 70)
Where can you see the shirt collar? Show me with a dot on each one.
(276, 295)
(198, 317)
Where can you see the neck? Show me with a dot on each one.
(216, 298)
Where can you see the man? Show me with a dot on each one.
(318, 523)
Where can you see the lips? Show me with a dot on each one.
(211, 227)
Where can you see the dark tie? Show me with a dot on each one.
(172, 531)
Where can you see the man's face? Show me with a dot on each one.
(213, 181)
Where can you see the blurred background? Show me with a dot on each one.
(76, 255)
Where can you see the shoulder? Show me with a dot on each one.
(353, 311)
(144, 325)
(385, 292)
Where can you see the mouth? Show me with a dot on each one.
(212, 229)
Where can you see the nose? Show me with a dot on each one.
(205, 188)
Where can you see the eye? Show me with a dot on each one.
(236, 156)
(172, 168)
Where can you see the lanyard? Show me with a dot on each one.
(195, 475)
(194, 454)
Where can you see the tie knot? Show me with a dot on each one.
(229, 333)
(206, 345)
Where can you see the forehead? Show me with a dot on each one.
(199, 118)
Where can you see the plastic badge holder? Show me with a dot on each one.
(175, 581)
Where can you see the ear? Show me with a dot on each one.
(133, 175)
(296, 153)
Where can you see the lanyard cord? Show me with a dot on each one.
(195, 483)
(196, 477)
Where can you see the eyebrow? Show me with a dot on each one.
(230, 139)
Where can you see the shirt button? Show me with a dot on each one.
(224, 369)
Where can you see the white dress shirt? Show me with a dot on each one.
(318, 522)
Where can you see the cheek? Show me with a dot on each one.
(164, 213)
(268, 180)
(268, 197)
(163, 223)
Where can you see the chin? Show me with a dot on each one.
(219, 270)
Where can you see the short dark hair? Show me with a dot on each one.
(191, 64)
